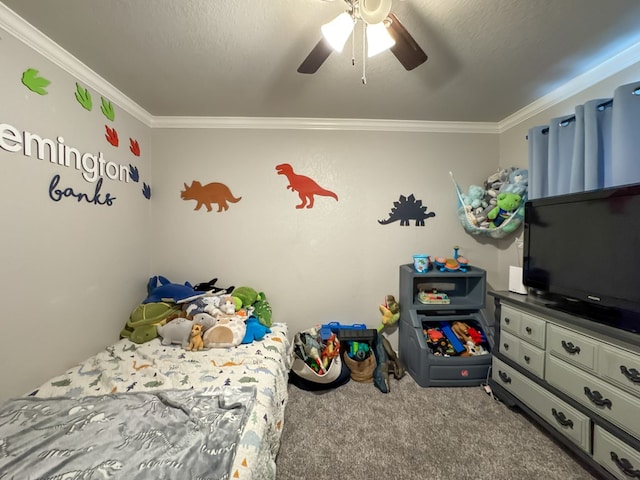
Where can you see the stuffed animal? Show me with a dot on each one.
(227, 332)
(160, 289)
(195, 342)
(207, 321)
(507, 204)
(176, 331)
(518, 182)
(475, 197)
(246, 295)
(143, 321)
(254, 330)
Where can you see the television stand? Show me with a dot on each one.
(577, 378)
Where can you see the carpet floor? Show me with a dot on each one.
(356, 432)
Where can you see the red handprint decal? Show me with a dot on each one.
(112, 136)
(134, 147)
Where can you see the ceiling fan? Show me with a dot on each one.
(373, 14)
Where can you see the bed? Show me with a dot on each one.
(154, 411)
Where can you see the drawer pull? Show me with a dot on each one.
(527, 358)
(625, 465)
(597, 398)
(528, 329)
(631, 374)
(507, 320)
(570, 347)
(561, 419)
(504, 377)
(506, 346)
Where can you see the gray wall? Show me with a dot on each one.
(73, 272)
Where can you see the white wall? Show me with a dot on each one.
(333, 262)
(70, 272)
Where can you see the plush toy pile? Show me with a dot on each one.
(200, 317)
(495, 207)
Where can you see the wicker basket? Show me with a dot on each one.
(361, 371)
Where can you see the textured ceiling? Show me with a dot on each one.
(238, 58)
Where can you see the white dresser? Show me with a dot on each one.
(579, 379)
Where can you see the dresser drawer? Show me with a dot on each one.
(532, 358)
(522, 324)
(510, 319)
(509, 346)
(606, 400)
(573, 347)
(564, 418)
(615, 455)
(523, 353)
(620, 367)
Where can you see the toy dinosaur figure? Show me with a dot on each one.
(390, 311)
(305, 186)
(406, 209)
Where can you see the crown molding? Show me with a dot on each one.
(273, 123)
(604, 70)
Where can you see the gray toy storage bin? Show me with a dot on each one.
(429, 370)
(466, 291)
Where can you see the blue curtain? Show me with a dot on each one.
(597, 146)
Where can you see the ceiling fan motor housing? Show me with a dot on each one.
(374, 11)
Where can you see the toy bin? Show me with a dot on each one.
(462, 299)
(429, 369)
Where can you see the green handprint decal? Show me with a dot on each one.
(33, 82)
(84, 97)
(107, 109)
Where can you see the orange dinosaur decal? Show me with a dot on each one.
(305, 186)
(211, 193)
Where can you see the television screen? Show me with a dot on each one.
(584, 249)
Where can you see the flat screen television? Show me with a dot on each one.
(582, 254)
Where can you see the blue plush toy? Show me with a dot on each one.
(167, 291)
(255, 330)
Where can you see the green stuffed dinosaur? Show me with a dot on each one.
(507, 204)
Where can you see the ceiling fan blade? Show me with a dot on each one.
(406, 49)
(316, 57)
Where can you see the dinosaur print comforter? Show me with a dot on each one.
(126, 369)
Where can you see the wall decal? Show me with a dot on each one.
(210, 193)
(133, 173)
(146, 190)
(406, 209)
(33, 82)
(107, 109)
(305, 186)
(56, 194)
(92, 166)
(111, 136)
(84, 97)
(134, 147)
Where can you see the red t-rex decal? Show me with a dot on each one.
(305, 186)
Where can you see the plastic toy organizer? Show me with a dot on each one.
(446, 364)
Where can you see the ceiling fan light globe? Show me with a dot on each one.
(378, 39)
(338, 30)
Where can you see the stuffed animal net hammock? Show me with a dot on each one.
(509, 224)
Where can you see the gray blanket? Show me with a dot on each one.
(181, 434)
